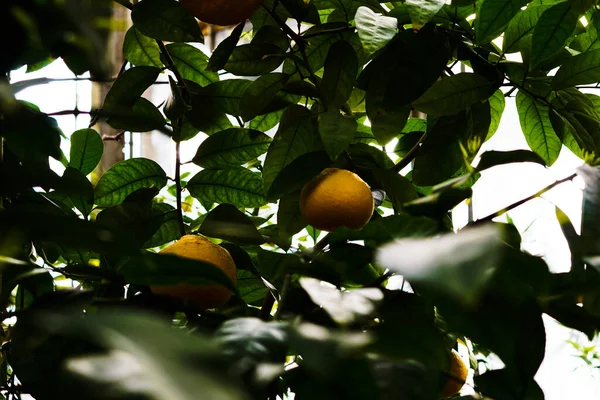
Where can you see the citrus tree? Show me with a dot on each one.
(340, 134)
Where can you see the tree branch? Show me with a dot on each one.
(525, 200)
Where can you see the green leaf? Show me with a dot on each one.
(337, 132)
(341, 67)
(140, 50)
(166, 20)
(169, 228)
(383, 230)
(520, 26)
(205, 115)
(457, 265)
(238, 186)
(537, 128)
(374, 30)
(143, 116)
(297, 135)
(254, 59)
(590, 219)
(252, 289)
(167, 269)
(219, 57)
(260, 93)
(346, 306)
(494, 16)
(581, 69)
(231, 147)
(497, 104)
(552, 30)
(126, 177)
(422, 11)
(81, 192)
(289, 217)
(453, 94)
(86, 150)
(228, 223)
(226, 95)
(266, 121)
(297, 173)
(492, 158)
(191, 63)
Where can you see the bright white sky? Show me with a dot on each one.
(562, 375)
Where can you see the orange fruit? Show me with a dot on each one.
(202, 249)
(458, 372)
(334, 198)
(221, 12)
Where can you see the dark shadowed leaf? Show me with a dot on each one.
(191, 63)
(459, 265)
(86, 150)
(219, 57)
(337, 132)
(289, 217)
(590, 221)
(297, 135)
(140, 50)
(238, 186)
(492, 158)
(537, 128)
(75, 185)
(254, 59)
(297, 173)
(227, 222)
(169, 228)
(231, 147)
(126, 177)
(166, 20)
(341, 67)
(453, 94)
(260, 93)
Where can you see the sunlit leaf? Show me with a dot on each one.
(238, 186)
(86, 150)
(231, 147)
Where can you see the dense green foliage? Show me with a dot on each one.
(331, 94)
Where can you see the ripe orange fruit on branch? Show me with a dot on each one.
(334, 198)
(202, 249)
(458, 372)
(221, 12)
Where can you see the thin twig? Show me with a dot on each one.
(178, 185)
(408, 157)
(525, 200)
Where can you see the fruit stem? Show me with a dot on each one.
(526, 199)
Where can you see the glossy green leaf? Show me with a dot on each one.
(228, 223)
(169, 228)
(494, 16)
(140, 50)
(126, 177)
(341, 67)
(166, 20)
(231, 147)
(537, 128)
(337, 132)
(260, 93)
(266, 122)
(251, 288)
(452, 94)
(497, 104)
(191, 63)
(551, 31)
(254, 59)
(238, 186)
(86, 150)
(520, 26)
(422, 11)
(579, 70)
(297, 135)
(374, 30)
(458, 265)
